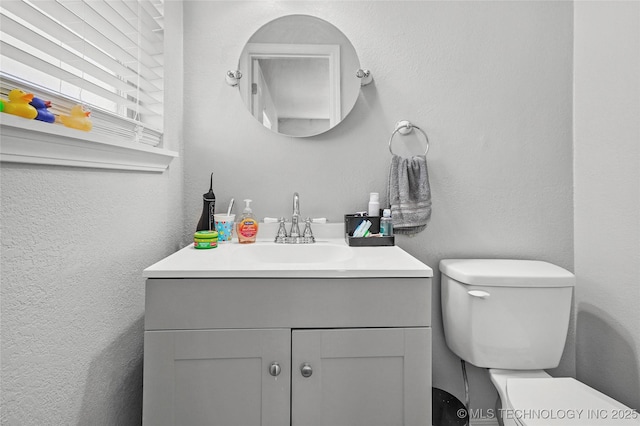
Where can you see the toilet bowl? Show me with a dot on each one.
(534, 398)
(512, 317)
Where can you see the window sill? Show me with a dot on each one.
(36, 142)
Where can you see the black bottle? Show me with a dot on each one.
(208, 207)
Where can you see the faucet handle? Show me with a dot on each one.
(281, 235)
(307, 234)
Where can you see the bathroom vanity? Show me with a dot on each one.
(272, 334)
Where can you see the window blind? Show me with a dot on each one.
(106, 55)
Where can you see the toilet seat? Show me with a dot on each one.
(563, 401)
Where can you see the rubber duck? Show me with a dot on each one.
(18, 104)
(77, 119)
(43, 113)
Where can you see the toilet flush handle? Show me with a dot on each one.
(478, 293)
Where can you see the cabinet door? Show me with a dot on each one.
(368, 377)
(216, 377)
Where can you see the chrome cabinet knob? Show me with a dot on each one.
(274, 369)
(306, 370)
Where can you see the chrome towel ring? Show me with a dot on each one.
(404, 127)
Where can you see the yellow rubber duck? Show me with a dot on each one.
(78, 119)
(18, 104)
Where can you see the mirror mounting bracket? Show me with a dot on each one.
(233, 77)
(365, 76)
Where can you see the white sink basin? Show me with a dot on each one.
(328, 257)
(295, 253)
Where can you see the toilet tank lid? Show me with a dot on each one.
(507, 273)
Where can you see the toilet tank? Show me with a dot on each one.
(507, 314)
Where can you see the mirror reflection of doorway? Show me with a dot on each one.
(293, 89)
(262, 105)
(291, 95)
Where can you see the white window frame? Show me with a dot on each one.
(35, 142)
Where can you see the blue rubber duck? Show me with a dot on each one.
(43, 113)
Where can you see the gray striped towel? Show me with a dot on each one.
(409, 194)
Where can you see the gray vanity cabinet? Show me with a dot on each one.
(348, 352)
(362, 377)
(216, 377)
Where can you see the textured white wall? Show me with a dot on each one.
(607, 196)
(491, 83)
(74, 244)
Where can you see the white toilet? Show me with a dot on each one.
(512, 317)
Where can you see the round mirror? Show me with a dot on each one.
(299, 75)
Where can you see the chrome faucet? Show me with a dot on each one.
(294, 236)
(295, 229)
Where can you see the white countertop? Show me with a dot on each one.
(327, 258)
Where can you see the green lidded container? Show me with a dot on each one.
(205, 239)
